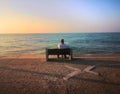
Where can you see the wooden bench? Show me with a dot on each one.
(58, 52)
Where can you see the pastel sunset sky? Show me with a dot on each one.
(55, 16)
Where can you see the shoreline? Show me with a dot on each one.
(43, 56)
(81, 54)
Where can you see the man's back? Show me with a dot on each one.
(62, 46)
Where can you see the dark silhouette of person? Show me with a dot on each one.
(62, 45)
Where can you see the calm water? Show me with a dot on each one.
(79, 42)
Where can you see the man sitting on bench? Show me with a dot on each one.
(62, 45)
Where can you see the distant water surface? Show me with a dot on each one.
(87, 43)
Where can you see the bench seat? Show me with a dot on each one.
(58, 52)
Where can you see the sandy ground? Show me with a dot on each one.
(31, 74)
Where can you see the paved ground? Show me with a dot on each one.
(31, 74)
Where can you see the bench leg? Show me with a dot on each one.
(46, 57)
(62, 57)
(58, 56)
(70, 57)
(46, 54)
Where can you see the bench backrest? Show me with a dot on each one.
(58, 51)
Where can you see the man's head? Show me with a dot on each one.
(62, 41)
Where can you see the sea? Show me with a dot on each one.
(80, 43)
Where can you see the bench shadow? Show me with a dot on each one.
(86, 61)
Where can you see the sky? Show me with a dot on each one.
(56, 16)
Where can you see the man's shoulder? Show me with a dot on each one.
(65, 46)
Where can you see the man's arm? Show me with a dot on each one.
(59, 46)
